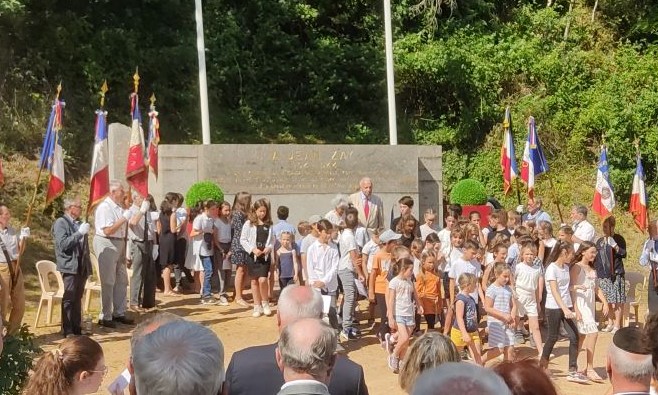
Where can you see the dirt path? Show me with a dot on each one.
(237, 329)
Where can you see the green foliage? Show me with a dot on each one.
(16, 361)
(202, 191)
(468, 192)
(308, 71)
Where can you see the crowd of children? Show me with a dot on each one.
(514, 272)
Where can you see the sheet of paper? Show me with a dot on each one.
(326, 302)
(120, 383)
(361, 289)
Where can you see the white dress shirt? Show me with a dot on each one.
(322, 265)
(107, 214)
(10, 239)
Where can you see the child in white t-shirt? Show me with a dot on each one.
(222, 254)
(528, 287)
(401, 316)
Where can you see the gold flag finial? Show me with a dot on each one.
(152, 99)
(59, 89)
(104, 89)
(136, 79)
(636, 143)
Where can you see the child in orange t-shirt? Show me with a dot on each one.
(428, 287)
(378, 282)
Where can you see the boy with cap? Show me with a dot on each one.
(628, 363)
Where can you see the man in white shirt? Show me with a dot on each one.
(110, 225)
(12, 288)
(535, 213)
(582, 229)
(142, 236)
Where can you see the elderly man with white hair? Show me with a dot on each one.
(141, 234)
(306, 354)
(72, 256)
(178, 358)
(628, 363)
(296, 302)
(110, 225)
(370, 206)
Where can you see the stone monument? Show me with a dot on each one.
(303, 177)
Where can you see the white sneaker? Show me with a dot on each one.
(257, 312)
(266, 308)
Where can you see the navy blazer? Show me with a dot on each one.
(254, 371)
(71, 248)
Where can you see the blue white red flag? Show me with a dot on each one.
(534, 161)
(154, 139)
(507, 154)
(100, 177)
(604, 195)
(638, 206)
(52, 155)
(136, 170)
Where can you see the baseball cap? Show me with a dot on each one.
(314, 219)
(388, 235)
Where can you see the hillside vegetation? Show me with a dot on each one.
(306, 71)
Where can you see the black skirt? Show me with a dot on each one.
(257, 267)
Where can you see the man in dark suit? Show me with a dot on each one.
(306, 354)
(72, 255)
(259, 362)
(629, 364)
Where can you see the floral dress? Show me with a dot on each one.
(238, 255)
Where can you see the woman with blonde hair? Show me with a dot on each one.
(76, 367)
(428, 351)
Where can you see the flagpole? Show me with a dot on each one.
(28, 216)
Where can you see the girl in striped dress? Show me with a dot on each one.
(501, 315)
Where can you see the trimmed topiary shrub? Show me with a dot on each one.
(468, 192)
(202, 191)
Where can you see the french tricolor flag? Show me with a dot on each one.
(136, 170)
(534, 161)
(100, 177)
(638, 206)
(52, 155)
(604, 196)
(507, 155)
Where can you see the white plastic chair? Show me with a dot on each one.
(48, 294)
(633, 279)
(93, 283)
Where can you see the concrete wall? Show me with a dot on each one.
(306, 177)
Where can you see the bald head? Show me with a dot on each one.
(296, 302)
(366, 186)
(307, 349)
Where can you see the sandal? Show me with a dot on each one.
(593, 376)
(171, 294)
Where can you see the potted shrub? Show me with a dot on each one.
(202, 191)
(471, 195)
